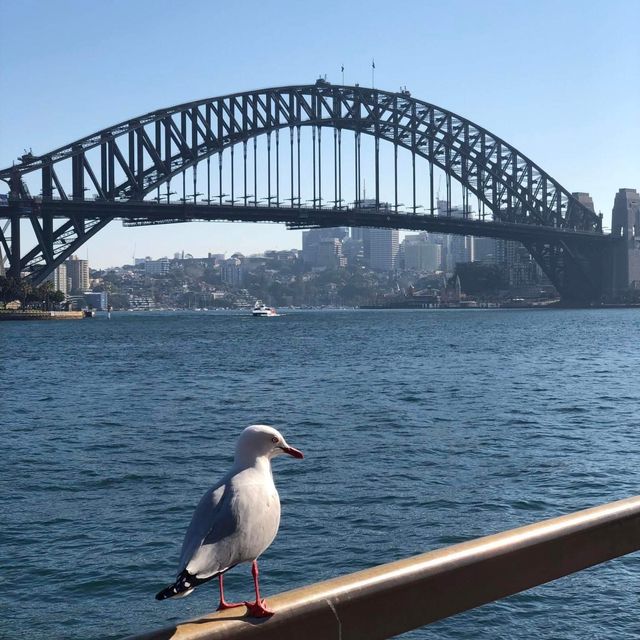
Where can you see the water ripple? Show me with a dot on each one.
(421, 429)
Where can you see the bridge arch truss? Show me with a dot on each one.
(136, 161)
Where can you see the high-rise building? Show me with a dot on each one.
(157, 267)
(506, 251)
(78, 274)
(329, 254)
(381, 248)
(96, 300)
(312, 239)
(421, 254)
(625, 222)
(452, 211)
(231, 272)
(59, 279)
(352, 250)
(484, 250)
(460, 250)
(520, 267)
(455, 248)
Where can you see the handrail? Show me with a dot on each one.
(393, 598)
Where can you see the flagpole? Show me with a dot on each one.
(373, 74)
(342, 75)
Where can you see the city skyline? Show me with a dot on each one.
(587, 144)
(338, 247)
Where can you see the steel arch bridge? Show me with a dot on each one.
(130, 168)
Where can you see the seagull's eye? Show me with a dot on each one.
(274, 440)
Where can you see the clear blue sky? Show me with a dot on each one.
(560, 79)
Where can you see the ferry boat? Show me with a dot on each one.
(260, 310)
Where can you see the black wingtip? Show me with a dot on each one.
(174, 589)
(184, 582)
(166, 593)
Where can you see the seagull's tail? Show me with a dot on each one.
(183, 586)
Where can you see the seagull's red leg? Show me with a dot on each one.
(223, 603)
(257, 609)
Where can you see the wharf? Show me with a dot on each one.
(29, 314)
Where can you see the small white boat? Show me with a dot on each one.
(260, 310)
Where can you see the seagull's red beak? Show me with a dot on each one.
(292, 451)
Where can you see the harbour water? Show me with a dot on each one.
(420, 429)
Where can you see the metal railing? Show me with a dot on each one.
(393, 598)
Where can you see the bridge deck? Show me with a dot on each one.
(146, 212)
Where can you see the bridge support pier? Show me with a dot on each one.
(14, 246)
(625, 225)
(582, 270)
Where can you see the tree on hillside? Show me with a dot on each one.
(16, 289)
(12, 289)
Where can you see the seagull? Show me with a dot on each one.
(235, 521)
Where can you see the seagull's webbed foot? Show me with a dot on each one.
(229, 605)
(258, 609)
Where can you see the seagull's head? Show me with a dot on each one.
(260, 440)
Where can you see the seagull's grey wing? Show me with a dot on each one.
(212, 514)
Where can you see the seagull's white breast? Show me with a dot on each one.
(257, 508)
(243, 528)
